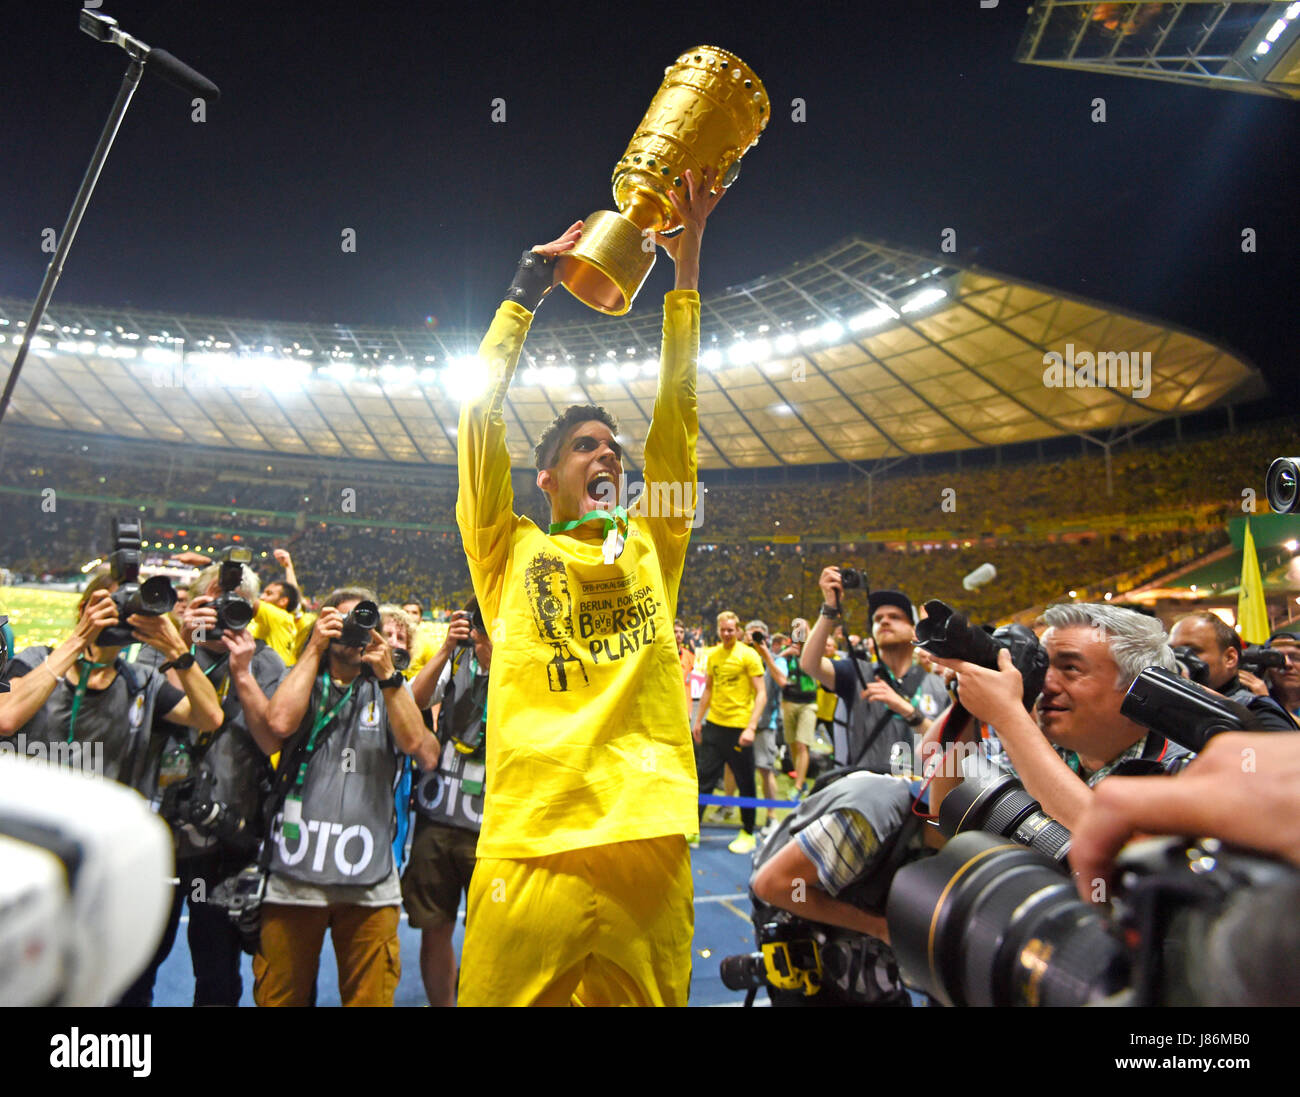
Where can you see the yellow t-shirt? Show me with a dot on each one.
(302, 632)
(731, 703)
(278, 629)
(423, 650)
(587, 742)
(826, 702)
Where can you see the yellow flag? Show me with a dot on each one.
(1252, 616)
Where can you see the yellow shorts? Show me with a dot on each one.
(603, 926)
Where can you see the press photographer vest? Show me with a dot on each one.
(439, 795)
(884, 802)
(120, 717)
(239, 771)
(348, 815)
(874, 728)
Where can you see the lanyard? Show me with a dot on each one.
(322, 718)
(85, 668)
(613, 523)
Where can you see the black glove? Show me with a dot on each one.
(532, 281)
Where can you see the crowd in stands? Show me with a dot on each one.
(59, 504)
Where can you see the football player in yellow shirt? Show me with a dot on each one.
(582, 890)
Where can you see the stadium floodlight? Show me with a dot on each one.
(739, 353)
(650, 367)
(608, 374)
(871, 318)
(157, 356)
(591, 371)
(810, 336)
(342, 372)
(629, 370)
(787, 343)
(783, 409)
(923, 298)
(465, 378)
(711, 358)
(832, 332)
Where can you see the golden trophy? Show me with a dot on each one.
(708, 113)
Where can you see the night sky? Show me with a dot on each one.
(378, 117)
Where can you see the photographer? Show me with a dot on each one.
(798, 701)
(765, 738)
(1284, 684)
(83, 694)
(229, 772)
(341, 733)
(449, 799)
(1206, 637)
(891, 701)
(1078, 736)
(830, 863)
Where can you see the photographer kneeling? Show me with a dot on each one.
(1077, 735)
(342, 718)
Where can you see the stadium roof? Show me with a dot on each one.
(862, 353)
(1251, 47)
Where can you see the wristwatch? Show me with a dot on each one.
(393, 680)
(181, 662)
(829, 611)
(916, 719)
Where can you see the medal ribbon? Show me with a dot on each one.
(614, 526)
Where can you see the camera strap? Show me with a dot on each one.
(84, 669)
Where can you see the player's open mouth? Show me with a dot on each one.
(602, 489)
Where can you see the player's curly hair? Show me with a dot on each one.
(547, 449)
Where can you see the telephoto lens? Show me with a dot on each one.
(1003, 807)
(986, 922)
(401, 659)
(358, 625)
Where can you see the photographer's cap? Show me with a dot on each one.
(1292, 634)
(897, 598)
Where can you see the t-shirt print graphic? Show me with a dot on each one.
(547, 586)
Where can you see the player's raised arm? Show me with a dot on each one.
(485, 503)
(670, 464)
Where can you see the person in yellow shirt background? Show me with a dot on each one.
(582, 891)
(726, 721)
(424, 645)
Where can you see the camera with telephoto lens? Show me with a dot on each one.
(810, 959)
(358, 624)
(234, 614)
(1197, 669)
(948, 633)
(1256, 659)
(852, 579)
(1000, 805)
(152, 598)
(989, 922)
(190, 802)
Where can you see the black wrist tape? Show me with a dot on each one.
(532, 280)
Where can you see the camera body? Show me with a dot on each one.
(1197, 669)
(464, 615)
(234, 614)
(152, 598)
(1256, 659)
(191, 803)
(808, 959)
(852, 578)
(948, 633)
(240, 896)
